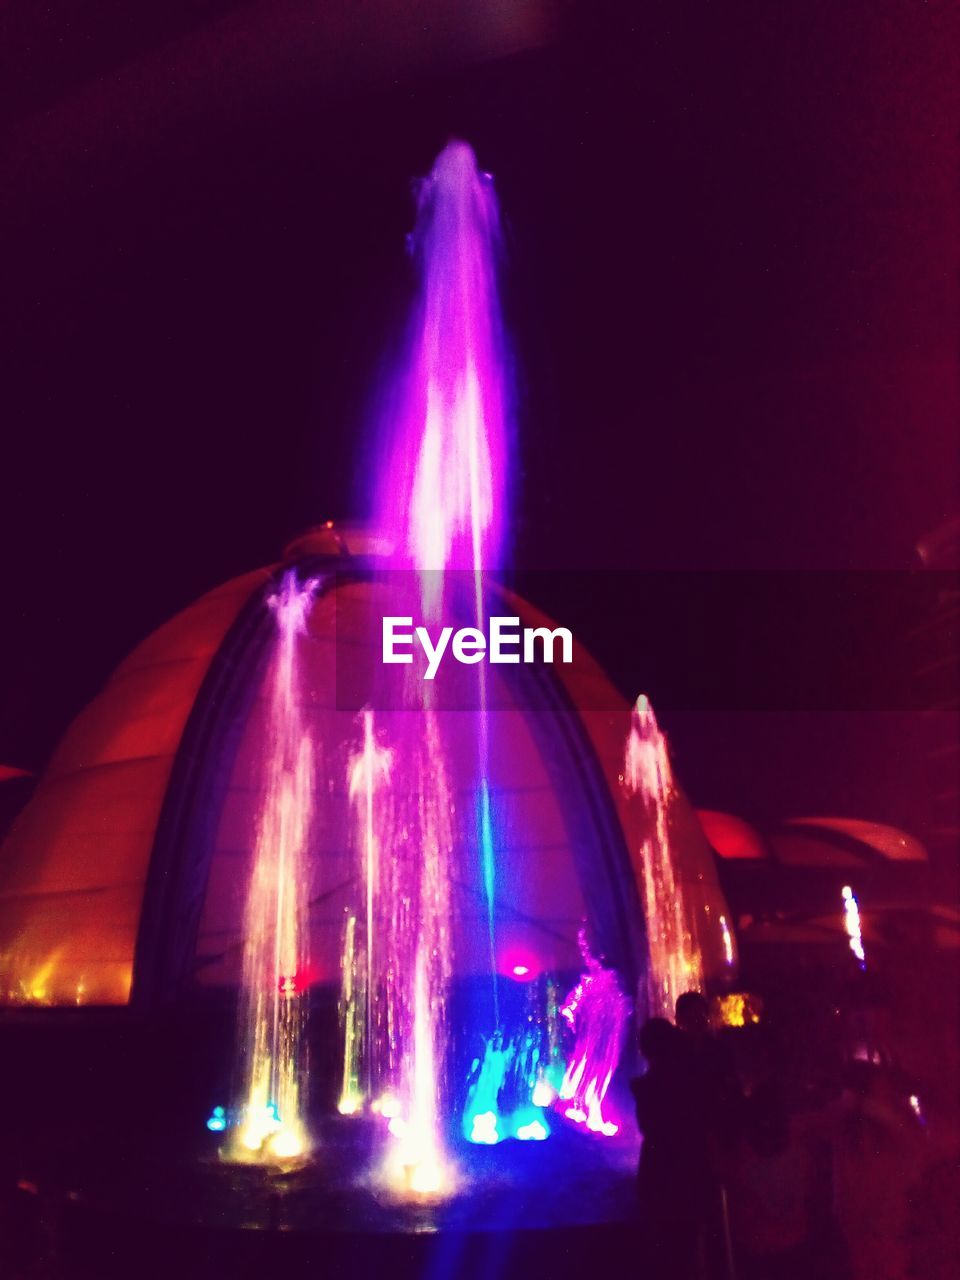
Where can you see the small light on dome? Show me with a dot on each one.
(521, 970)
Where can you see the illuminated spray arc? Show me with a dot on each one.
(275, 957)
(675, 961)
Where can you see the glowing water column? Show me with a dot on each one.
(414, 959)
(441, 500)
(446, 500)
(396, 965)
(368, 778)
(443, 485)
(675, 962)
(273, 999)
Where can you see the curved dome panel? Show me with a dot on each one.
(74, 866)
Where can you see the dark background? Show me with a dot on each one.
(730, 280)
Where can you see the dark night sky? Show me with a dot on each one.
(731, 281)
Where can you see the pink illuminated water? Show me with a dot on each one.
(598, 1012)
(675, 961)
(362, 974)
(397, 965)
(275, 958)
(442, 494)
(441, 503)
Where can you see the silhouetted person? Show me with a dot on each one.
(676, 1170)
(693, 1014)
(717, 1085)
(771, 1191)
(714, 1067)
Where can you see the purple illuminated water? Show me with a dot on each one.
(598, 1012)
(441, 503)
(442, 494)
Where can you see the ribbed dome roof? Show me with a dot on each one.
(125, 874)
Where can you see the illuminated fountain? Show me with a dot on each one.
(443, 489)
(409, 841)
(675, 959)
(518, 1075)
(442, 504)
(445, 492)
(420, 864)
(271, 1125)
(368, 781)
(442, 499)
(423, 826)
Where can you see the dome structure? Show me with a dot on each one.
(123, 880)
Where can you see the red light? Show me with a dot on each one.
(293, 984)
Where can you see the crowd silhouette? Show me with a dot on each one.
(727, 1185)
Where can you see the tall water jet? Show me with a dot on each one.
(351, 1007)
(367, 776)
(443, 492)
(275, 957)
(448, 500)
(675, 960)
(396, 968)
(422, 1150)
(442, 502)
(416, 965)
